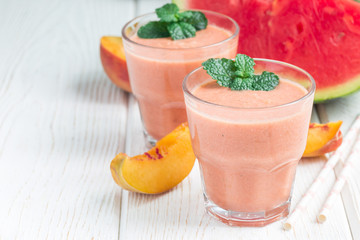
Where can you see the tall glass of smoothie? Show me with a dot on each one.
(157, 68)
(248, 143)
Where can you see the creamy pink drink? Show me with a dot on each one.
(248, 143)
(158, 66)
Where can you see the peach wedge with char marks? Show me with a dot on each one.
(113, 60)
(158, 170)
(323, 138)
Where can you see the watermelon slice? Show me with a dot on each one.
(320, 36)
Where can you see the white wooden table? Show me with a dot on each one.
(62, 121)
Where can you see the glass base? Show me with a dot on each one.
(247, 219)
(149, 140)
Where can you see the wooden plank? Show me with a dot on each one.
(347, 109)
(61, 120)
(147, 6)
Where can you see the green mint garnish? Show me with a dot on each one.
(239, 74)
(181, 30)
(154, 30)
(174, 24)
(221, 69)
(197, 19)
(244, 66)
(168, 13)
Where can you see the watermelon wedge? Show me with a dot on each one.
(320, 36)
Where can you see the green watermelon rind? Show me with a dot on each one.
(342, 90)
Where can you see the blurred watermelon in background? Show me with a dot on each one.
(320, 36)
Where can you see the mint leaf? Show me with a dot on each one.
(154, 30)
(178, 25)
(242, 83)
(184, 15)
(222, 70)
(265, 82)
(195, 18)
(181, 30)
(239, 74)
(167, 13)
(244, 65)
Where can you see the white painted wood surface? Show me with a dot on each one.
(347, 109)
(62, 121)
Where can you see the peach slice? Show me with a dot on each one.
(158, 170)
(323, 138)
(113, 60)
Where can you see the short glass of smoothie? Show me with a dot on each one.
(249, 143)
(158, 66)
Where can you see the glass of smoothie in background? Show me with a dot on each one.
(158, 66)
(249, 143)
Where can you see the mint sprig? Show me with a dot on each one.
(154, 30)
(197, 19)
(239, 74)
(174, 24)
(181, 30)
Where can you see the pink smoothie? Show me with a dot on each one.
(248, 157)
(157, 68)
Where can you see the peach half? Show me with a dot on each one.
(113, 60)
(158, 170)
(323, 138)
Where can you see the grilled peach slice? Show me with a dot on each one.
(158, 170)
(323, 138)
(113, 60)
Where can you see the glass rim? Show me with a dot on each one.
(303, 98)
(138, 18)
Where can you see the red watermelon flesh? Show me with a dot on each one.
(320, 36)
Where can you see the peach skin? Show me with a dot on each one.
(113, 60)
(323, 138)
(158, 170)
